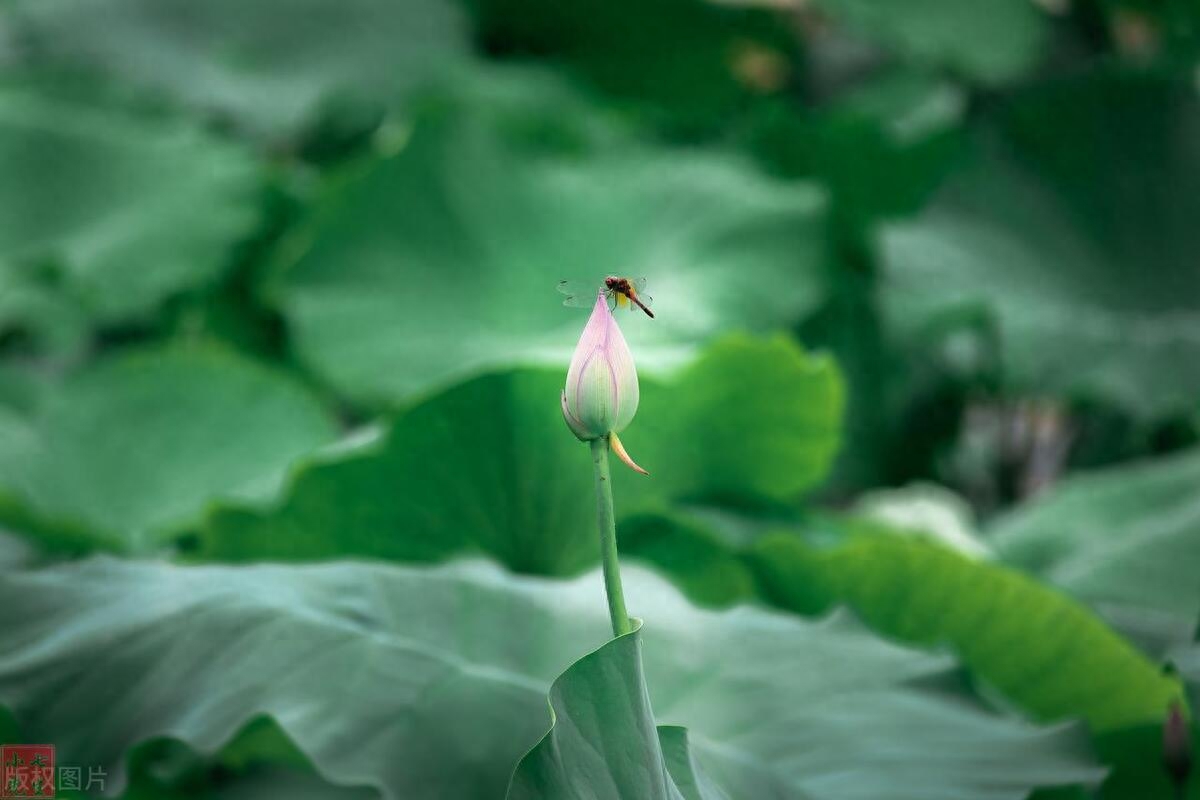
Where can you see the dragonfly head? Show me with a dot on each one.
(615, 283)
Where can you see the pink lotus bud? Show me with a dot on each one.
(601, 395)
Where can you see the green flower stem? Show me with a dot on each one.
(608, 539)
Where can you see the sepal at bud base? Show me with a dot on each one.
(619, 449)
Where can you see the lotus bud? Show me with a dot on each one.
(601, 395)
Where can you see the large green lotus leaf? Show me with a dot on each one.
(1043, 651)
(1074, 234)
(431, 683)
(440, 262)
(989, 41)
(692, 781)
(265, 67)
(750, 418)
(100, 210)
(603, 742)
(1126, 540)
(490, 464)
(143, 442)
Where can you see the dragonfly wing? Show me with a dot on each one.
(639, 291)
(576, 287)
(579, 301)
(579, 294)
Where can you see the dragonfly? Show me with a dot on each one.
(617, 290)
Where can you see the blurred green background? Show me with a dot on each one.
(288, 506)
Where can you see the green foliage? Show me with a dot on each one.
(1124, 540)
(100, 205)
(1039, 650)
(881, 148)
(136, 446)
(335, 653)
(280, 346)
(1088, 273)
(748, 420)
(684, 63)
(693, 783)
(603, 742)
(1042, 651)
(267, 68)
